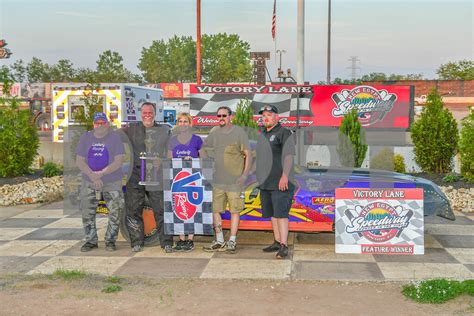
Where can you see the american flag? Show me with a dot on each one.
(274, 20)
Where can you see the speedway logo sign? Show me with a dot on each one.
(383, 221)
(371, 103)
(187, 196)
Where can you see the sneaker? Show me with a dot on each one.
(110, 246)
(273, 247)
(167, 249)
(188, 246)
(283, 252)
(88, 246)
(215, 246)
(179, 245)
(231, 247)
(137, 248)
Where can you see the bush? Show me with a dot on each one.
(437, 291)
(351, 146)
(466, 147)
(18, 136)
(399, 163)
(435, 136)
(50, 169)
(450, 178)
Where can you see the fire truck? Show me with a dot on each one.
(121, 103)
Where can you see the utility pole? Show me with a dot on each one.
(300, 44)
(198, 42)
(354, 67)
(328, 78)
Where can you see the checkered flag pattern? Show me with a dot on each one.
(206, 104)
(412, 234)
(201, 222)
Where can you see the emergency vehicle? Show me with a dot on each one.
(121, 103)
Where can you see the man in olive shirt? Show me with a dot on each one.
(229, 146)
(275, 151)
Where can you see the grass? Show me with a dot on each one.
(69, 275)
(113, 279)
(112, 288)
(437, 291)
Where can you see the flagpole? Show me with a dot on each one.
(274, 35)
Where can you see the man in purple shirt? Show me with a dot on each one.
(100, 154)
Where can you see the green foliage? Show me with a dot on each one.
(399, 163)
(114, 279)
(110, 68)
(244, 115)
(224, 58)
(351, 146)
(460, 70)
(435, 136)
(172, 61)
(50, 169)
(466, 147)
(18, 136)
(383, 160)
(450, 178)
(69, 275)
(92, 103)
(112, 288)
(437, 291)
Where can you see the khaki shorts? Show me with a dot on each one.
(222, 200)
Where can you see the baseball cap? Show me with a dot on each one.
(269, 108)
(100, 116)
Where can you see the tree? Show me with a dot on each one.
(85, 75)
(435, 136)
(63, 71)
(460, 70)
(38, 71)
(110, 68)
(174, 61)
(466, 147)
(18, 137)
(18, 70)
(225, 58)
(351, 146)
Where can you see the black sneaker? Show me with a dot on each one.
(188, 246)
(179, 245)
(273, 247)
(110, 246)
(88, 246)
(283, 252)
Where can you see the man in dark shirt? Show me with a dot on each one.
(151, 138)
(275, 151)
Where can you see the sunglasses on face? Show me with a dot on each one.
(181, 121)
(222, 115)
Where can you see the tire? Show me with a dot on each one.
(42, 119)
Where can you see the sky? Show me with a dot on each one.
(402, 37)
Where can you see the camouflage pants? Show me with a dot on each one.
(88, 205)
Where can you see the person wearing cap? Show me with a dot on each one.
(99, 156)
(146, 137)
(275, 151)
(229, 146)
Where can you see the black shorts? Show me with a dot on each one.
(276, 203)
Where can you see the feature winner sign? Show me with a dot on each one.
(379, 221)
(187, 196)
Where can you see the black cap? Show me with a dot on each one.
(269, 108)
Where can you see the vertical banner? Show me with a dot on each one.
(188, 196)
(379, 221)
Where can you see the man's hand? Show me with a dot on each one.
(95, 176)
(98, 184)
(283, 184)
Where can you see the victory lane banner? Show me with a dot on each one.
(379, 221)
(187, 196)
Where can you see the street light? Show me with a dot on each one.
(280, 71)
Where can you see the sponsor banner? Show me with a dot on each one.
(187, 196)
(15, 90)
(378, 106)
(379, 221)
(172, 90)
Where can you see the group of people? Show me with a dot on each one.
(100, 154)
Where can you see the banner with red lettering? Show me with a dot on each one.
(313, 105)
